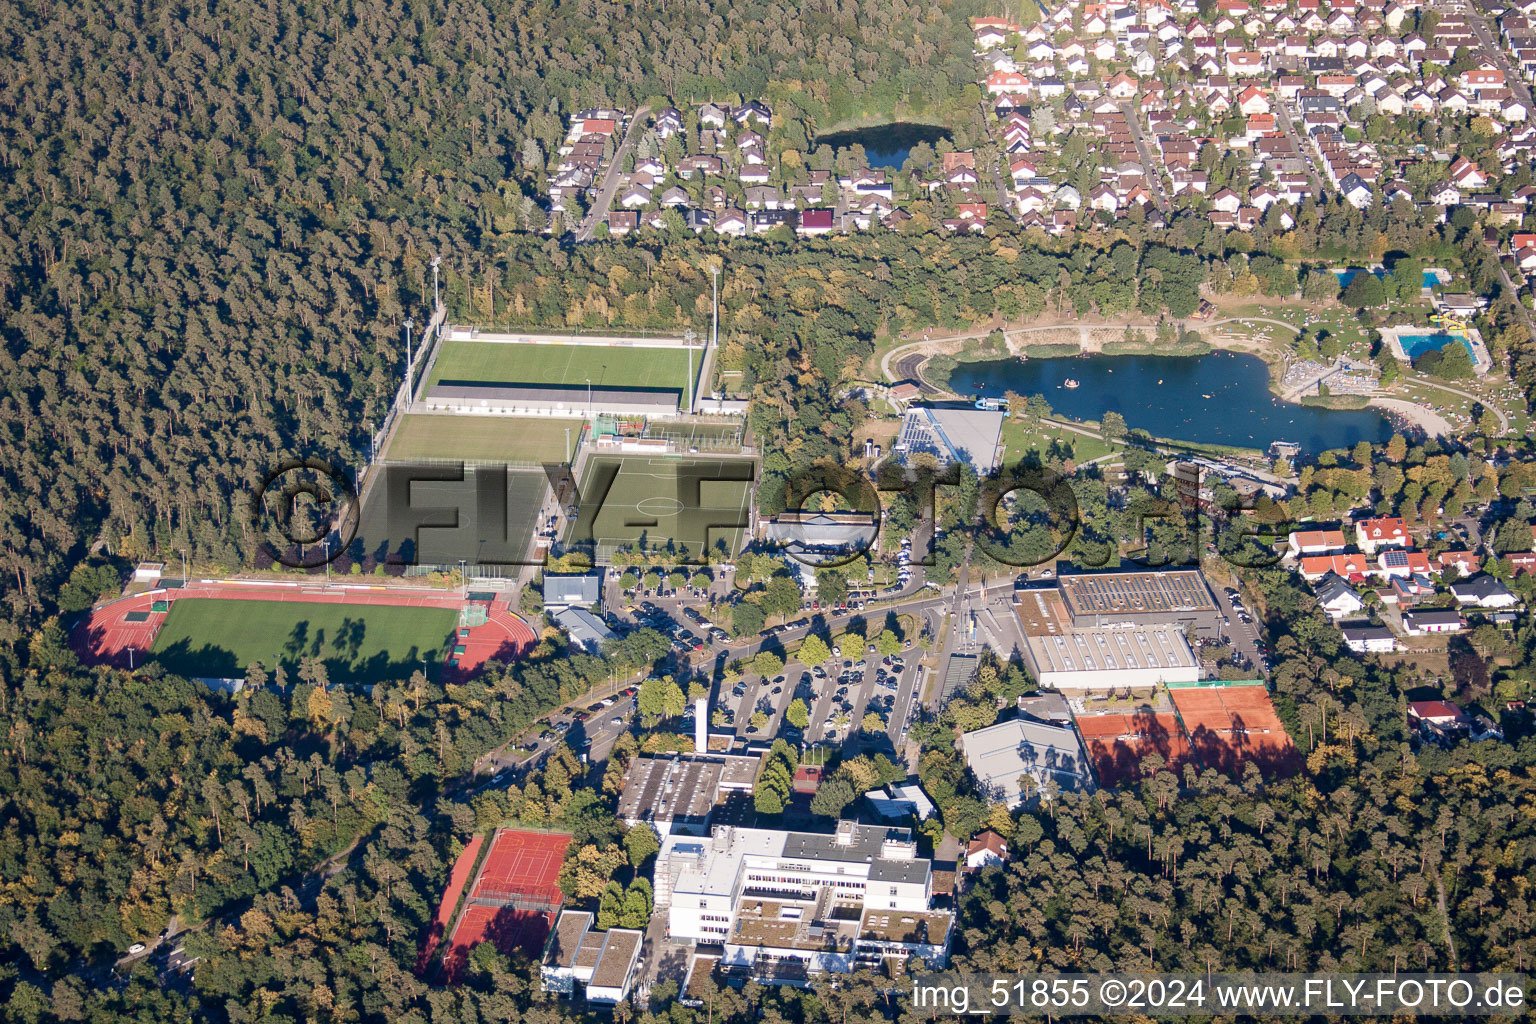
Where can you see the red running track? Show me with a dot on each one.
(107, 637)
(444, 918)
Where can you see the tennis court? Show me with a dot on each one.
(522, 867)
(1230, 725)
(1117, 743)
(519, 440)
(506, 928)
(570, 365)
(694, 507)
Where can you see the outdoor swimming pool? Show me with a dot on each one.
(1345, 276)
(1416, 345)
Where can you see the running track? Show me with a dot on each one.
(106, 637)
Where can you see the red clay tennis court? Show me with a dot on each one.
(524, 867)
(515, 897)
(1117, 743)
(1228, 726)
(507, 929)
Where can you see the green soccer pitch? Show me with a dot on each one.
(358, 643)
(689, 506)
(516, 439)
(567, 365)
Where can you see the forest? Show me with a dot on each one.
(216, 218)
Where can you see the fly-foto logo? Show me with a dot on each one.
(447, 513)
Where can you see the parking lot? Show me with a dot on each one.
(1248, 648)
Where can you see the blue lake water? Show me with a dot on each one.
(1417, 344)
(885, 145)
(1220, 398)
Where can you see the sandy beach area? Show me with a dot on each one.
(1425, 419)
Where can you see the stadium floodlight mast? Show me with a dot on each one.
(436, 262)
(464, 578)
(589, 398)
(409, 389)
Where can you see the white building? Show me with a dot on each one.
(1001, 755)
(1432, 620)
(1099, 660)
(604, 962)
(1316, 542)
(788, 904)
(1483, 591)
(966, 435)
(1369, 639)
(1337, 598)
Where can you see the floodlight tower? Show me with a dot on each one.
(436, 302)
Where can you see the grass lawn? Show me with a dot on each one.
(358, 643)
(1022, 436)
(571, 365)
(482, 438)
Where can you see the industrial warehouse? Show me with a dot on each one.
(1115, 631)
(1171, 597)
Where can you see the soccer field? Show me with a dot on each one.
(515, 439)
(691, 506)
(571, 365)
(358, 643)
(485, 517)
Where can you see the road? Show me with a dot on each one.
(1495, 48)
(1004, 201)
(611, 178)
(1149, 159)
(1283, 115)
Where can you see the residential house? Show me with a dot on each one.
(1316, 542)
(1337, 598)
(1483, 591)
(1423, 622)
(986, 849)
(731, 221)
(1371, 535)
(622, 222)
(815, 222)
(1369, 639)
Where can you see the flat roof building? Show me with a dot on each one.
(547, 400)
(604, 962)
(1072, 658)
(1098, 660)
(679, 793)
(583, 590)
(966, 435)
(786, 905)
(822, 532)
(1051, 755)
(1175, 597)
